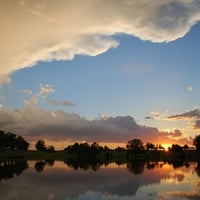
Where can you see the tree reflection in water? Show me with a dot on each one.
(84, 164)
(198, 168)
(136, 167)
(10, 169)
(135, 180)
(40, 165)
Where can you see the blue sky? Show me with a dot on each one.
(145, 65)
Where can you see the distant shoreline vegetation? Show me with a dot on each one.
(16, 147)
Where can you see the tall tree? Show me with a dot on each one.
(50, 149)
(40, 145)
(196, 142)
(150, 146)
(12, 141)
(176, 148)
(135, 145)
(3, 140)
(21, 143)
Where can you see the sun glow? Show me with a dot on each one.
(166, 146)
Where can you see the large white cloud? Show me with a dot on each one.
(39, 30)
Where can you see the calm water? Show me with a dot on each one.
(57, 180)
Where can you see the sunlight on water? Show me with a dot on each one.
(56, 180)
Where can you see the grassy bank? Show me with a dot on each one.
(104, 156)
(32, 155)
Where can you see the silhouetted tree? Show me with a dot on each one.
(84, 149)
(135, 145)
(178, 155)
(95, 147)
(196, 142)
(176, 148)
(50, 149)
(13, 142)
(119, 149)
(21, 143)
(160, 147)
(185, 147)
(106, 148)
(3, 140)
(40, 145)
(150, 146)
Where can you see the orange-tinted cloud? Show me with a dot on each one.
(193, 116)
(36, 123)
(187, 115)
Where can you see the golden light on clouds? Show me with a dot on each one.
(39, 30)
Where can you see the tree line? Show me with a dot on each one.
(10, 141)
(135, 145)
(40, 146)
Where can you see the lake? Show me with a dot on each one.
(57, 180)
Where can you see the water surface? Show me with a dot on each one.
(57, 180)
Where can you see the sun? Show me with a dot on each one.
(166, 146)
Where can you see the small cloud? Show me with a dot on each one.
(125, 122)
(159, 115)
(192, 116)
(185, 195)
(187, 115)
(189, 88)
(104, 116)
(46, 89)
(149, 117)
(60, 103)
(172, 134)
(32, 101)
(176, 133)
(196, 124)
(28, 92)
(53, 114)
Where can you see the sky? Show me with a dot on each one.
(105, 71)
